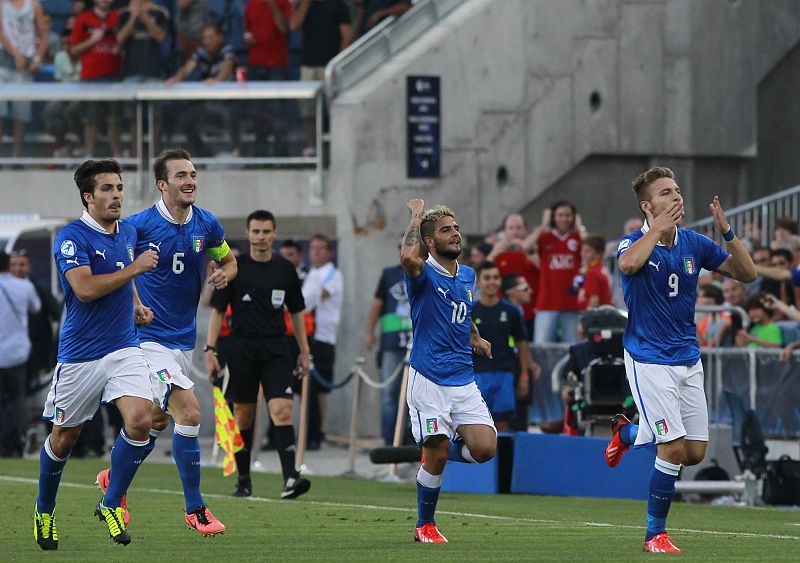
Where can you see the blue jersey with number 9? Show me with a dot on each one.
(661, 298)
(441, 317)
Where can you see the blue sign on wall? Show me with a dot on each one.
(423, 115)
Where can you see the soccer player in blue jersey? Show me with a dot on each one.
(660, 265)
(449, 418)
(99, 358)
(183, 235)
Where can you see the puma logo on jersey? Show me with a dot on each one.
(100, 253)
(443, 292)
(654, 264)
(73, 261)
(154, 245)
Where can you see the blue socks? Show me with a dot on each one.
(428, 487)
(186, 451)
(154, 434)
(662, 489)
(459, 452)
(627, 434)
(126, 455)
(50, 469)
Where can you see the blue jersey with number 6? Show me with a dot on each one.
(172, 290)
(441, 316)
(661, 298)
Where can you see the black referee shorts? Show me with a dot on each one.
(254, 361)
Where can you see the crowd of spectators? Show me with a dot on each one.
(563, 269)
(168, 41)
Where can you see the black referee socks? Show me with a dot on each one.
(284, 443)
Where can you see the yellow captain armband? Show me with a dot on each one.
(219, 252)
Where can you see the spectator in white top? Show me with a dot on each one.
(24, 39)
(17, 299)
(322, 292)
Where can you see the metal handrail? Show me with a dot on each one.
(126, 92)
(761, 212)
(725, 309)
(382, 42)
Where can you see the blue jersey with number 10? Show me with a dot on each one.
(172, 290)
(441, 307)
(661, 298)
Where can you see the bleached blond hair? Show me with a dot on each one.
(430, 217)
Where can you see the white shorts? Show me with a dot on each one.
(168, 367)
(78, 389)
(439, 409)
(671, 401)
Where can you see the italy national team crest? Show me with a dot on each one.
(432, 425)
(60, 415)
(130, 251)
(163, 375)
(688, 265)
(469, 294)
(661, 427)
(198, 243)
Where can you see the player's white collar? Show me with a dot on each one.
(162, 209)
(439, 268)
(646, 228)
(92, 223)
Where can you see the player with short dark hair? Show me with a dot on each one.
(257, 350)
(500, 323)
(660, 265)
(449, 417)
(184, 235)
(99, 358)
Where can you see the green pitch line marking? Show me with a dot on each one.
(414, 510)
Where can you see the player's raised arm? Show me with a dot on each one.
(409, 250)
(88, 286)
(739, 265)
(636, 255)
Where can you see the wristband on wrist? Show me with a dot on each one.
(730, 235)
(209, 348)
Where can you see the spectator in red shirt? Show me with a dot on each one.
(510, 257)
(266, 28)
(370, 13)
(558, 244)
(593, 283)
(94, 40)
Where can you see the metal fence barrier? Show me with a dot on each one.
(229, 120)
(767, 385)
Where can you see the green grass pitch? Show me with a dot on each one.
(344, 519)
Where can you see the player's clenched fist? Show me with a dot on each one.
(218, 277)
(416, 206)
(147, 260)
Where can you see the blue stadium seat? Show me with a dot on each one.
(55, 8)
(790, 331)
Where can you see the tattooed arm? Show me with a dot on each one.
(409, 250)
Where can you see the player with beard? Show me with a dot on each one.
(449, 418)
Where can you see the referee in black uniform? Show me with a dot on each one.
(257, 351)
